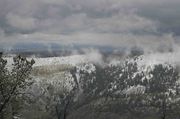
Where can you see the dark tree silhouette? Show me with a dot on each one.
(14, 79)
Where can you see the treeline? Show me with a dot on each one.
(89, 91)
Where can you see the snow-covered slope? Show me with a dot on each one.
(73, 60)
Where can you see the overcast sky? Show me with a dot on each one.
(146, 23)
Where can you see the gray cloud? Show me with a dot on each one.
(20, 22)
(94, 22)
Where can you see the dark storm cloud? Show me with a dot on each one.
(101, 22)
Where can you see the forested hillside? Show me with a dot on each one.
(125, 90)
